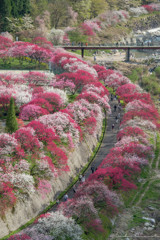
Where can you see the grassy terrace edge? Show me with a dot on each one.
(92, 157)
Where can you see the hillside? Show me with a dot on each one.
(93, 21)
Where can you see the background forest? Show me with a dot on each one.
(28, 19)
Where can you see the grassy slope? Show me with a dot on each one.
(26, 64)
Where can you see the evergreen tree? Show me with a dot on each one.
(20, 7)
(11, 122)
(5, 11)
(14, 11)
(26, 7)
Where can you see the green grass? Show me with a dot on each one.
(140, 193)
(128, 197)
(111, 90)
(157, 151)
(26, 64)
(152, 196)
(145, 174)
(136, 219)
(72, 98)
(89, 53)
(159, 165)
(148, 82)
(97, 235)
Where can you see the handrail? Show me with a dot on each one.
(107, 46)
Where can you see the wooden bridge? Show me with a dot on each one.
(126, 48)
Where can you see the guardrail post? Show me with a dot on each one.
(128, 55)
(82, 52)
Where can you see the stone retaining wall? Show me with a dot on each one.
(34, 204)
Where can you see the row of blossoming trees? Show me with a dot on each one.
(89, 30)
(23, 168)
(37, 153)
(39, 53)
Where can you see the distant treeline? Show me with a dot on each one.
(12, 8)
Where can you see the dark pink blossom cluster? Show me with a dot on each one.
(90, 27)
(5, 44)
(42, 42)
(152, 7)
(121, 166)
(69, 63)
(78, 80)
(19, 237)
(8, 198)
(25, 49)
(42, 104)
(91, 198)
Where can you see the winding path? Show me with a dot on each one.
(108, 142)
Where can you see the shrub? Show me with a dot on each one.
(157, 71)
(130, 131)
(32, 111)
(79, 79)
(25, 137)
(102, 197)
(82, 209)
(63, 124)
(41, 103)
(93, 97)
(54, 100)
(7, 196)
(19, 237)
(44, 134)
(114, 177)
(8, 144)
(58, 226)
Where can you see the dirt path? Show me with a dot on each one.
(108, 142)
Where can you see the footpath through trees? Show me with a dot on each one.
(108, 142)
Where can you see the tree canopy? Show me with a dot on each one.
(11, 122)
(12, 8)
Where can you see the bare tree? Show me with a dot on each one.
(59, 13)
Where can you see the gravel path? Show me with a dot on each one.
(108, 142)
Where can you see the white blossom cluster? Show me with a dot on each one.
(56, 36)
(60, 92)
(62, 125)
(58, 226)
(23, 181)
(7, 144)
(138, 11)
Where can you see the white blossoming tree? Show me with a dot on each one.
(56, 36)
(58, 226)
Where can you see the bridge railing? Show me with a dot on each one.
(109, 45)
